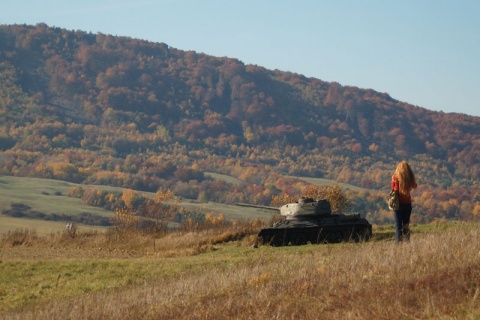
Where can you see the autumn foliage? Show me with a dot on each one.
(105, 110)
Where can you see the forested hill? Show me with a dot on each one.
(104, 109)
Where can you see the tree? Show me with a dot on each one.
(161, 210)
(333, 193)
(131, 199)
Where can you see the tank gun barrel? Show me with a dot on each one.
(256, 206)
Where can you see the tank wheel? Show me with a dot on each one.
(277, 241)
(319, 237)
(364, 234)
(356, 235)
(335, 237)
(298, 239)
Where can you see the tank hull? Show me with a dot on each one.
(331, 229)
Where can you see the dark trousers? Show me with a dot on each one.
(402, 220)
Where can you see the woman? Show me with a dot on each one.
(403, 180)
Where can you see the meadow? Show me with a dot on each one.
(103, 273)
(202, 275)
(50, 196)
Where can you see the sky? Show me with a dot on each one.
(422, 52)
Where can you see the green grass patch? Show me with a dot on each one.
(50, 196)
(33, 282)
(25, 282)
(44, 195)
(326, 182)
(231, 212)
(43, 227)
(223, 177)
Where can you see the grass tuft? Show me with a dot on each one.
(19, 237)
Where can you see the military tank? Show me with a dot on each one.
(312, 221)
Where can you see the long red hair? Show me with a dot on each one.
(406, 178)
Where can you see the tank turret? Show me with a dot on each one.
(306, 208)
(312, 221)
(303, 208)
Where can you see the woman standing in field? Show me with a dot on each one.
(403, 180)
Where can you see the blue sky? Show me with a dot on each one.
(423, 52)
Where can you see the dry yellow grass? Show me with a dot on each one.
(184, 276)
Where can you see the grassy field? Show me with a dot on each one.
(192, 275)
(100, 274)
(223, 177)
(9, 224)
(50, 196)
(326, 182)
(44, 195)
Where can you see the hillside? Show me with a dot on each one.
(99, 109)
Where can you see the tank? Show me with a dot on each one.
(312, 221)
